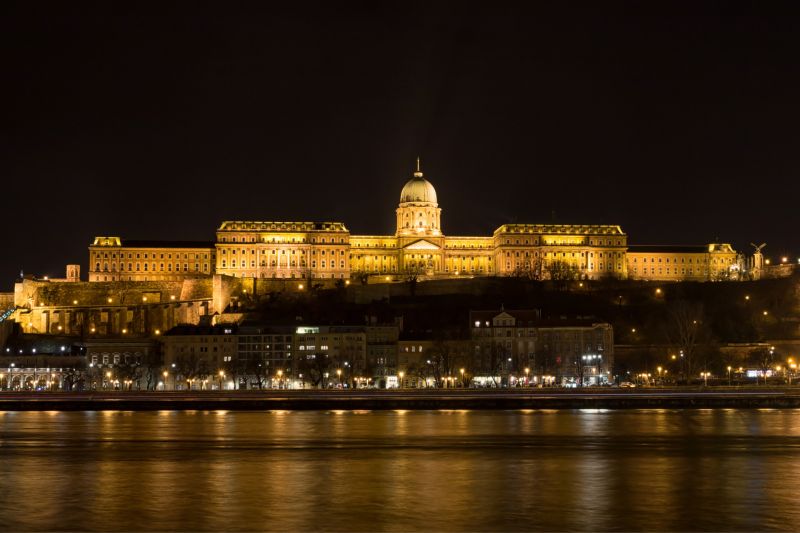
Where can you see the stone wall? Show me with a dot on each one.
(111, 308)
(6, 300)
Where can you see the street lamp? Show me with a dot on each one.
(527, 371)
(729, 375)
(401, 374)
(705, 375)
(165, 379)
(339, 375)
(221, 377)
(280, 378)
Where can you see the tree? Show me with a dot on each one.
(150, 368)
(315, 366)
(560, 272)
(411, 274)
(530, 269)
(362, 276)
(256, 366)
(685, 329)
(764, 359)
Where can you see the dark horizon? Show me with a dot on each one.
(679, 127)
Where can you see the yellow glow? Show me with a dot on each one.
(300, 286)
(124, 331)
(93, 330)
(172, 297)
(158, 332)
(110, 300)
(658, 291)
(747, 297)
(144, 298)
(74, 302)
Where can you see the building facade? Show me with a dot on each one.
(519, 343)
(115, 259)
(712, 262)
(418, 248)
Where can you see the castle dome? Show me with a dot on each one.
(418, 189)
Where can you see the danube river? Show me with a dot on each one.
(586, 470)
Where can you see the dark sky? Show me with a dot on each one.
(683, 127)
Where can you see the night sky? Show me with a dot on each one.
(682, 127)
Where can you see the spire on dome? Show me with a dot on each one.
(418, 173)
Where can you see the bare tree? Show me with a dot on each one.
(561, 271)
(764, 359)
(685, 330)
(530, 269)
(315, 366)
(411, 274)
(362, 276)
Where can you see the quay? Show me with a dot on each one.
(418, 399)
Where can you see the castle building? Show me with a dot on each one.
(418, 248)
(712, 262)
(114, 259)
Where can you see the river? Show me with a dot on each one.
(585, 470)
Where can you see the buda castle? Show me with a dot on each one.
(419, 248)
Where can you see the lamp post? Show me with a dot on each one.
(165, 373)
(729, 375)
(705, 375)
(401, 374)
(461, 370)
(527, 372)
(280, 378)
(221, 378)
(339, 375)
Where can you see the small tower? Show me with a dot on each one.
(73, 273)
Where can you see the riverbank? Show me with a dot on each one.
(754, 397)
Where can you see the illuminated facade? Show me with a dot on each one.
(710, 262)
(419, 248)
(115, 259)
(283, 250)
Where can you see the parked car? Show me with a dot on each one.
(627, 385)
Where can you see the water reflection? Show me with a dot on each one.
(400, 470)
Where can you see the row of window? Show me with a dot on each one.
(149, 255)
(273, 239)
(149, 267)
(293, 263)
(224, 251)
